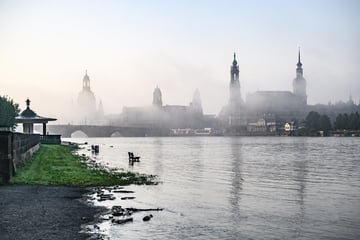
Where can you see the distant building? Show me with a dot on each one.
(157, 97)
(196, 105)
(267, 123)
(235, 100)
(165, 116)
(191, 132)
(233, 114)
(87, 112)
(100, 110)
(281, 105)
(253, 115)
(284, 104)
(334, 109)
(289, 127)
(299, 84)
(86, 101)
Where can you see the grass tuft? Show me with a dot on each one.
(58, 165)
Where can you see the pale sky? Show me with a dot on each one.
(129, 47)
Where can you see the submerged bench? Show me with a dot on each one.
(133, 158)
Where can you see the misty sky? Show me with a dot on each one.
(129, 47)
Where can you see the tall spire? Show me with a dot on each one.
(234, 62)
(299, 83)
(235, 95)
(299, 64)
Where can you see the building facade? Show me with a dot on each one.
(286, 105)
(282, 105)
(86, 109)
(165, 116)
(234, 114)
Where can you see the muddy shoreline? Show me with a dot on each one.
(45, 212)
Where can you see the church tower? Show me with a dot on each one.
(196, 104)
(157, 98)
(100, 109)
(86, 102)
(235, 95)
(235, 101)
(299, 83)
(86, 82)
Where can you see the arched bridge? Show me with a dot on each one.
(105, 131)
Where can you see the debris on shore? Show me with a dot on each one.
(117, 214)
(147, 218)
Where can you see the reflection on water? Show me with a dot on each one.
(158, 156)
(241, 188)
(236, 180)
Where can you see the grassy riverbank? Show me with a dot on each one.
(57, 165)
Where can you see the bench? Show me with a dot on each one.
(133, 158)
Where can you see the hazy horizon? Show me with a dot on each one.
(130, 47)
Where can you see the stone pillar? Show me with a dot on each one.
(44, 129)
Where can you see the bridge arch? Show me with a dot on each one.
(78, 134)
(67, 131)
(116, 134)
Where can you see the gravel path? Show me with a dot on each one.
(43, 212)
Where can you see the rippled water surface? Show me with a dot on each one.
(240, 187)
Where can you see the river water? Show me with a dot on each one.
(239, 187)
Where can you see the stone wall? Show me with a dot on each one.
(15, 149)
(6, 163)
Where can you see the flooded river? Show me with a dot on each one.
(239, 187)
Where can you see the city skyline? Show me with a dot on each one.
(130, 48)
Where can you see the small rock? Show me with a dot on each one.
(147, 218)
(126, 198)
(122, 221)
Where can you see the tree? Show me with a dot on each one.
(325, 123)
(352, 121)
(339, 122)
(348, 122)
(312, 121)
(8, 112)
(357, 121)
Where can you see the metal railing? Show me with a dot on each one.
(50, 139)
